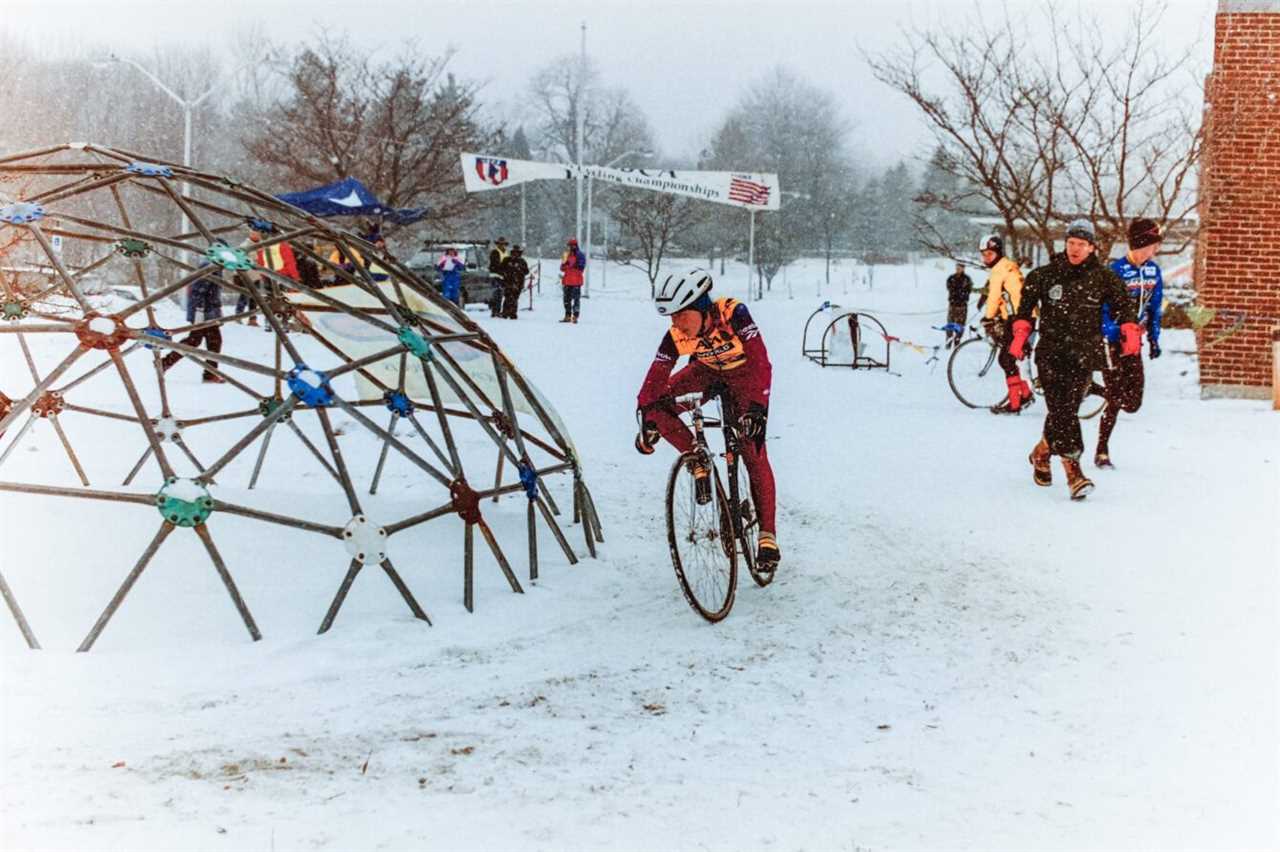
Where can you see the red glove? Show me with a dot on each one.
(1021, 331)
(1130, 338)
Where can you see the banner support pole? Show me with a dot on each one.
(586, 273)
(751, 255)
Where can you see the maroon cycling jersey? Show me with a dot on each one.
(730, 344)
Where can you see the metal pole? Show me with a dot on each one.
(524, 239)
(186, 158)
(586, 273)
(751, 255)
(580, 107)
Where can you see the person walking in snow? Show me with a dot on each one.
(572, 265)
(1003, 296)
(451, 266)
(514, 272)
(204, 308)
(1070, 293)
(1123, 378)
(959, 288)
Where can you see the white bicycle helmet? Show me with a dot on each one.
(681, 290)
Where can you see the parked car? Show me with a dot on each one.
(477, 282)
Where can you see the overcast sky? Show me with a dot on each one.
(684, 62)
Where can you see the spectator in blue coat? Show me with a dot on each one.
(204, 310)
(1124, 378)
(451, 266)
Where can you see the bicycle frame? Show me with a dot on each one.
(727, 423)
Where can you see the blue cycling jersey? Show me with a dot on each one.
(1145, 286)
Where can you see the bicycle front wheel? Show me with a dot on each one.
(975, 376)
(701, 538)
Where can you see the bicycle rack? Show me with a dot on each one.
(853, 320)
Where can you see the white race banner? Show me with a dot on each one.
(482, 172)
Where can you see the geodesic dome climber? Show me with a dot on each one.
(93, 261)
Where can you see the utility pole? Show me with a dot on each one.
(580, 109)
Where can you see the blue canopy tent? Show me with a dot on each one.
(349, 197)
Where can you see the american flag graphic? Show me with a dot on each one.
(748, 192)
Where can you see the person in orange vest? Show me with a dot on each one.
(572, 265)
(278, 258)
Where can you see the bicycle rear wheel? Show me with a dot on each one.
(975, 376)
(701, 539)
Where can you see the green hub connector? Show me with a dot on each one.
(269, 406)
(184, 502)
(414, 342)
(131, 247)
(229, 258)
(13, 310)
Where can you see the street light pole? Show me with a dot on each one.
(188, 109)
(604, 269)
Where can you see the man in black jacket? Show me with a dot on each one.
(514, 271)
(959, 288)
(1069, 292)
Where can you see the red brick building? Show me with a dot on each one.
(1238, 256)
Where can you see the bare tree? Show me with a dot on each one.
(1037, 139)
(613, 124)
(785, 125)
(396, 125)
(978, 123)
(654, 220)
(1134, 137)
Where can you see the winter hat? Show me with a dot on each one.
(502, 241)
(1143, 233)
(1082, 229)
(573, 241)
(515, 249)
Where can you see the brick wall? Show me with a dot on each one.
(1238, 254)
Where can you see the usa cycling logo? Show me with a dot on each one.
(491, 170)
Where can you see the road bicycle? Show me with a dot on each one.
(707, 538)
(978, 381)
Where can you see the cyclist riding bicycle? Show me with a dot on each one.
(725, 350)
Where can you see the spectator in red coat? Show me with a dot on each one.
(571, 268)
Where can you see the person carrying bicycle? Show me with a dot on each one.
(1003, 296)
(725, 350)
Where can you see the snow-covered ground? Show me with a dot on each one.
(950, 657)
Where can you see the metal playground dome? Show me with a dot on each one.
(371, 408)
